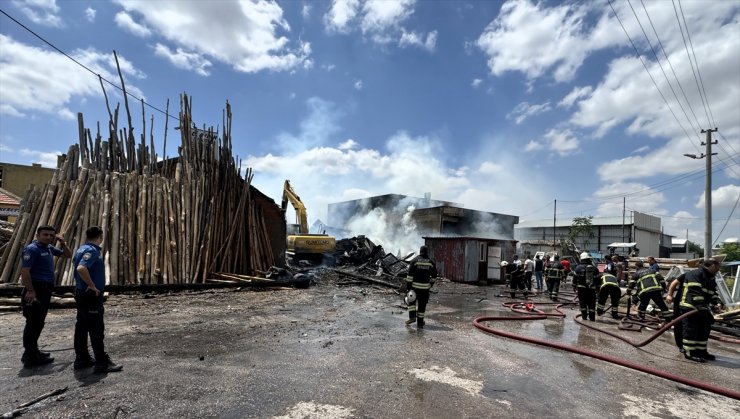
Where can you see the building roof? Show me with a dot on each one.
(9, 198)
(676, 242)
(568, 222)
(467, 238)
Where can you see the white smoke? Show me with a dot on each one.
(396, 232)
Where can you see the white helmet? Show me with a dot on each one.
(585, 255)
(504, 263)
(410, 297)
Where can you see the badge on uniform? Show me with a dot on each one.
(87, 256)
(26, 257)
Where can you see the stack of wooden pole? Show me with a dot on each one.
(165, 222)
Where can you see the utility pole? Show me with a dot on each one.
(708, 195)
(624, 204)
(707, 190)
(554, 215)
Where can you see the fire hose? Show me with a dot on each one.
(536, 314)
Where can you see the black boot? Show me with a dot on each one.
(420, 324)
(83, 361)
(694, 358)
(31, 360)
(707, 356)
(106, 366)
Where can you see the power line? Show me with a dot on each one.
(686, 46)
(673, 70)
(657, 59)
(651, 76)
(698, 70)
(87, 68)
(727, 220)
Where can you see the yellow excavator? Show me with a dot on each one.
(302, 244)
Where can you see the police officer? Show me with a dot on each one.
(585, 278)
(650, 286)
(37, 274)
(609, 289)
(554, 273)
(699, 293)
(90, 281)
(422, 274)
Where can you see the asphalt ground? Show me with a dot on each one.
(340, 349)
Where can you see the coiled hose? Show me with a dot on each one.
(535, 314)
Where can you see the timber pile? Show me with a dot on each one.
(166, 222)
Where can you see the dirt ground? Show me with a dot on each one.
(340, 349)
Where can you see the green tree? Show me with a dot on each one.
(581, 228)
(732, 250)
(693, 247)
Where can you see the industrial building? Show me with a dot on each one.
(17, 178)
(643, 229)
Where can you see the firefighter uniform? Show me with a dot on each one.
(517, 278)
(649, 286)
(609, 289)
(421, 275)
(586, 279)
(554, 273)
(699, 293)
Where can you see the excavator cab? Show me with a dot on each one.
(301, 244)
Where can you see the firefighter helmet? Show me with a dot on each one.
(585, 255)
(410, 297)
(504, 263)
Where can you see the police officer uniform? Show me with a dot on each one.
(39, 259)
(421, 275)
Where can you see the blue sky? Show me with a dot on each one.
(499, 106)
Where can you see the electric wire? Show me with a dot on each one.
(686, 46)
(727, 220)
(673, 70)
(698, 69)
(657, 60)
(87, 68)
(651, 76)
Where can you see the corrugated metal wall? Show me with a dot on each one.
(449, 256)
(472, 259)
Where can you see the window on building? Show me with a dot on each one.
(1, 176)
(483, 252)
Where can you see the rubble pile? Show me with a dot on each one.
(359, 257)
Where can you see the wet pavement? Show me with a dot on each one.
(334, 351)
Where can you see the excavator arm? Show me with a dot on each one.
(300, 209)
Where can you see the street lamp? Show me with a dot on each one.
(707, 190)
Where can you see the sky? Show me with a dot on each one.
(498, 106)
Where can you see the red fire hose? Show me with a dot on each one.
(535, 314)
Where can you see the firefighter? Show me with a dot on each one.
(650, 286)
(554, 273)
(675, 291)
(609, 288)
(586, 280)
(517, 277)
(699, 293)
(421, 276)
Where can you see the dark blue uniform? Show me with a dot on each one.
(39, 259)
(90, 306)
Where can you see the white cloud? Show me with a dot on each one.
(533, 145)
(306, 11)
(184, 60)
(724, 196)
(417, 40)
(36, 79)
(42, 12)
(44, 158)
(648, 200)
(476, 82)
(379, 20)
(348, 145)
(524, 110)
(562, 142)
(248, 36)
(575, 94)
(641, 150)
(490, 168)
(558, 41)
(358, 85)
(379, 15)
(341, 13)
(90, 14)
(125, 21)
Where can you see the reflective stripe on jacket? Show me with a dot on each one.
(609, 280)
